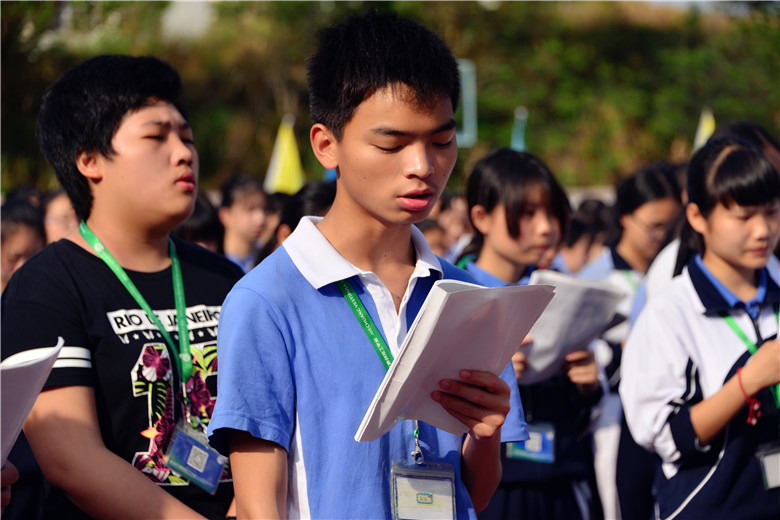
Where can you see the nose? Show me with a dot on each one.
(544, 223)
(764, 225)
(419, 163)
(184, 152)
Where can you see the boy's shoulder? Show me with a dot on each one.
(201, 258)
(453, 272)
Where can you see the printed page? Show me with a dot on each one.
(477, 329)
(580, 311)
(22, 377)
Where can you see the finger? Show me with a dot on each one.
(479, 419)
(487, 380)
(475, 400)
(518, 357)
(578, 355)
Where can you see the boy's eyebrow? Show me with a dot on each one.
(157, 122)
(386, 130)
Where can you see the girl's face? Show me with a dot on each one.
(644, 229)
(540, 232)
(741, 237)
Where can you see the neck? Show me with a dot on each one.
(237, 246)
(500, 267)
(132, 249)
(738, 280)
(633, 257)
(371, 248)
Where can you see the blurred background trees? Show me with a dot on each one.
(608, 86)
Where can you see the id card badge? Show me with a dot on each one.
(769, 457)
(190, 455)
(423, 491)
(539, 448)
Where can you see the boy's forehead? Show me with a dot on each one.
(156, 111)
(385, 108)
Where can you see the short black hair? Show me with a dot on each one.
(237, 187)
(15, 213)
(507, 177)
(83, 109)
(368, 52)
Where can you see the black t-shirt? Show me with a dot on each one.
(112, 346)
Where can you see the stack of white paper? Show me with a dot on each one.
(580, 311)
(22, 377)
(460, 326)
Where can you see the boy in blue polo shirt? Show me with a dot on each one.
(297, 371)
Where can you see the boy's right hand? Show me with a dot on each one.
(763, 369)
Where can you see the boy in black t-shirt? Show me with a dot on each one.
(120, 145)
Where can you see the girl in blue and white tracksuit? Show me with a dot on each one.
(701, 367)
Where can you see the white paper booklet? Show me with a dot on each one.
(460, 326)
(22, 377)
(580, 311)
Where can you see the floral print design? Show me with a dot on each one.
(152, 379)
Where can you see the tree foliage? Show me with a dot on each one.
(608, 86)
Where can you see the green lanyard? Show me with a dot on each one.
(379, 344)
(752, 347)
(376, 339)
(182, 358)
(631, 281)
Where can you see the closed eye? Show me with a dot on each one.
(390, 150)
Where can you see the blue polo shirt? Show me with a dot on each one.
(297, 369)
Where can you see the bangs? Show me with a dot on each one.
(517, 196)
(745, 177)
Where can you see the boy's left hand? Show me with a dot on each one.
(480, 400)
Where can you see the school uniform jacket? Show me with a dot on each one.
(680, 352)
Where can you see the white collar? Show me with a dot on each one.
(328, 266)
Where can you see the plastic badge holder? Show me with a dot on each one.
(190, 455)
(423, 491)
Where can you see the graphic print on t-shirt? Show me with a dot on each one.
(152, 377)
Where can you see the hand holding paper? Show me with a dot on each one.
(480, 400)
(461, 326)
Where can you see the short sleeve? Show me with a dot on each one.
(255, 383)
(39, 306)
(514, 428)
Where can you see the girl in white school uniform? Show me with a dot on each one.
(519, 212)
(702, 364)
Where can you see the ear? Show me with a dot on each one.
(697, 221)
(88, 165)
(224, 215)
(480, 218)
(324, 145)
(282, 232)
(622, 220)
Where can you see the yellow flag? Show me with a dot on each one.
(285, 172)
(706, 128)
